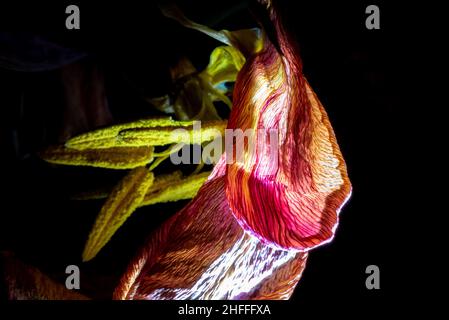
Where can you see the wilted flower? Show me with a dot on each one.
(247, 233)
(248, 230)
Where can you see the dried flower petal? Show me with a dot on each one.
(292, 202)
(225, 62)
(194, 102)
(203, 253)
(286, 207)
(195, 92)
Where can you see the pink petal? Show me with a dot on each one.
(203, 253)
(289, 196)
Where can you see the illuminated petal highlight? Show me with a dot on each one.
(289, 195)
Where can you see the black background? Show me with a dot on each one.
(360, 75)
